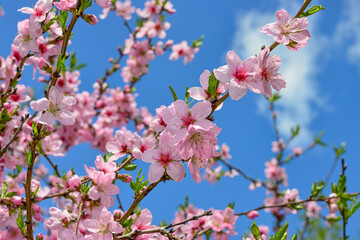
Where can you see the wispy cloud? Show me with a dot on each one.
(348, 29)
(299, 69)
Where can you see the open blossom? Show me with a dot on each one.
(103, 188)
(240, 74)
(179, 118)
(103, 226)
(59, 220)
(266, 72)
(312, 209)
(56, 108)
(124, 9)
(65, 5)
(164, 158)
(39, 11)
(287, 31)
(29, 31)
(183, 50)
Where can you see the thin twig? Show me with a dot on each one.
(54, 166)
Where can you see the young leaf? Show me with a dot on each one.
(281, 232)
(173, 93)
(312, 10)
(255, 230)
(213, 86)
(4, 189)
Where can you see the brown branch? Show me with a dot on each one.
(28, 194)
(162, 230)
(138, 199)
(289, 204)
(54, 166)
(81, 205)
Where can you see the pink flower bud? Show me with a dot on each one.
(40, 236)
(36, 208)
(16, 200)
(253, 214)
(74, 182)
(91, 19)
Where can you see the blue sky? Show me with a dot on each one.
(322, 94)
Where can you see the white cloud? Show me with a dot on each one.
(348, 29)
(298, 68)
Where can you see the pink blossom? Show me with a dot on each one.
(278, 145)
(29, 31)
(287, 31)
(183, 50)
(65, 5)
(103, 226)
(56, 108)
(164, 159)
(297, 151)
(59, 220)
(124, 9)
(39, 11)
(266, 72)
(240, 74)
(120, 147)
(103, 188)
(153, 29)
(7, 70)
(2, 12)
(104, 3)
(312, 209)
(179, 118)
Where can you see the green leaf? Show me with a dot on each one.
(60, 62)
(4, 189)
(84, 5)
(48, 25)
(213, 86)
(10, 194)
(35, 129)
(173, 93)
(133, 185)
(187, 95)
(20, 222)
(317, 139)
(312, 10)
(198, 42)
(340, 150)
(130, 167)
(341, 184)
(295, 131)
(73, 60)
(276, 96)
(280, 233)
(295, 237)
(255, 230)
(79, 66)
(231, 205)
(28, 156)
(63, 18)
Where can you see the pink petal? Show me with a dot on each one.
(148, 155)
(156, 171)
(282, 17)
(223, 73)
(197, 93)
(237, 91)
(195, 172)
(26, 10)
(47, 118)
(176, 171)
(54, 95)
(204, 79)
(66, 118)
(39, 105)
(233, 60)
(201, 110)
